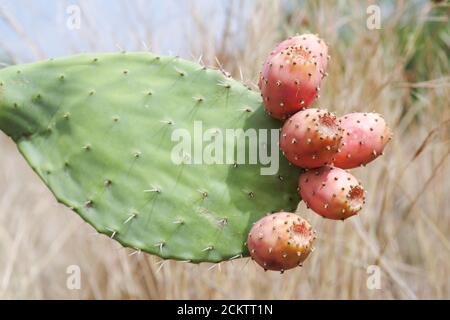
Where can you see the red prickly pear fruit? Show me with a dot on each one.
(364, 138)
(331, 192)
(291, 76)
(280, 241)
(311, 138)
(310, 42)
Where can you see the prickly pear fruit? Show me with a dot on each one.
(331, 192)
(311, 42)
(280, 241)
(364, 138)
(291, 76)
(311, 138)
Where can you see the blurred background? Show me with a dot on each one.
(399, 67)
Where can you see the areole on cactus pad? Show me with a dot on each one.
(97, 129)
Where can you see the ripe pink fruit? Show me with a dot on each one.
(364, 138)
(291, 76)
(280, 241)
(331, 192)
(310, 138)
(311, 42)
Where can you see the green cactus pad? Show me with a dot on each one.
(97, 129)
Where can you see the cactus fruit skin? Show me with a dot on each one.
(97, 130)
(291, 76)
(311, 138)
(280, 241)
(364, 137)
(310, 42)
(331, 192)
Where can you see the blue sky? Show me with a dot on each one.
(39, 27)
(106, 25)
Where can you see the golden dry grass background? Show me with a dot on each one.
(404, 227)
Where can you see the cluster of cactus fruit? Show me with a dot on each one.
(317, 141)
(98, 129)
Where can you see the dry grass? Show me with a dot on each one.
(403, 228)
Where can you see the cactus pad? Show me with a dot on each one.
(97, 129)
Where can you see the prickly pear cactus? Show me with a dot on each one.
(97, 129)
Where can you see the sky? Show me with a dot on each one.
(39, 29)
(32, 30)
